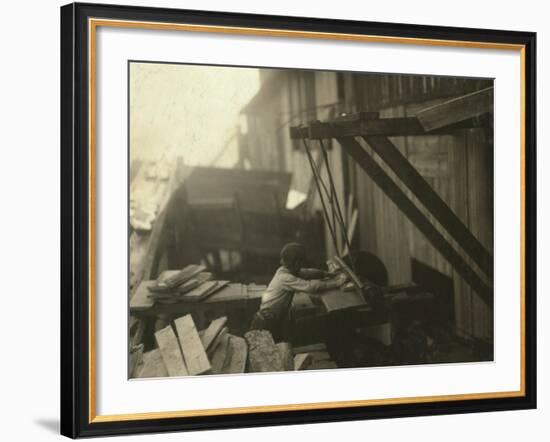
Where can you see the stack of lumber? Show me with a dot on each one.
(184, 351)
(313, 357)
(190, 284)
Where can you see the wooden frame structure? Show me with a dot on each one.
(459, 113)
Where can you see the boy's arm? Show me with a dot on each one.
(311, 286)
(312, 274)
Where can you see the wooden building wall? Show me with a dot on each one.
(458, 167)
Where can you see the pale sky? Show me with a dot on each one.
(187, 110)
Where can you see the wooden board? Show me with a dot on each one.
(170, 351)
(323, 365)
(302, 361)
(232, 292)
(134, 360)
(236, 363)
(141, 300)
(220, 354)
(203, 291)
(319, 356)
(217, 340)
(310, 348)
(263, 354)
(194, 354)
(152, 365)
(212, 331)
(334, 300)
(456, 110)
(287, 359)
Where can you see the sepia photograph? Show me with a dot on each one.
(285, 220)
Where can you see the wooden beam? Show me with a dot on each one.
(302, 361)
(422, 223)
(407, 173)
(457, 110)
(390, 127)
(194, 354)
(287, 358)
(342, 128)
(212, 331)
(239, 352)
(170, 352)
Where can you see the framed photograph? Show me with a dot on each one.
(279, 220)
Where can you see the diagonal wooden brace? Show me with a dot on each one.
(432, 201)
(422, 223)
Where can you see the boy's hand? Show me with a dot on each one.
(341, 279)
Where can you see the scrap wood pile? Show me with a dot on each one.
(182, 350)
(191, 284)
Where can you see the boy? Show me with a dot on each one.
(274, 310)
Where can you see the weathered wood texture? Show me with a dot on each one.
(287, 358)
(310, 348)
(421, 221)
(152, 365)
(431, 200)
(457, 109)
(238, 357)
(220, 354)
(212, 332)
(302, 361)
(445, 161)
(459, 168)
(338, 300)
(263, 354)
(194, 354)
(170, 352)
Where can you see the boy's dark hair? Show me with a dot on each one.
(292, 254)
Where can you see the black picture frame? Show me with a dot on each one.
(75, 220)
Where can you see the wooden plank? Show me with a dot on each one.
(351, 229)
(323, 365)
(134, 360)
(420, 221)
(212, 331)
(338, 300)
(238, 355)
(170, 351)
(310, 348)
(390, 127)
(457, 110)
(221, 354)
(141, 300)
(436, 206)
(263, 354)
(302, 361)
(152, 365)
(287, 358)
(217, 340)
(194, 354)
(319, 355)
(203, 291)
(138, 335)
